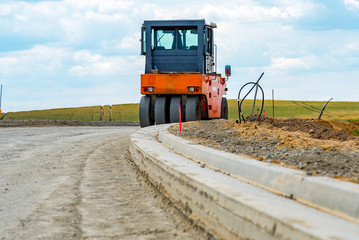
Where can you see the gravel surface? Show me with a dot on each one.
(43, 123)
(317, 147)
(79, 183)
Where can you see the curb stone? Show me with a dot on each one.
(226, 206)
(334, 196)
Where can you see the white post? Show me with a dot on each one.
(0, 98)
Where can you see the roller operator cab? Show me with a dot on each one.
(180, 73)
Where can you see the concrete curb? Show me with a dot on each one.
(224, 205)
(338, 197)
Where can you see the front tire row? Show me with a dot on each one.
(165, 109)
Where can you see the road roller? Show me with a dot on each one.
(181, 79)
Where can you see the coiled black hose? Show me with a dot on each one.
(240, 113)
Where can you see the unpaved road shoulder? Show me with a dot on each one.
(317, 147)
(78, 183)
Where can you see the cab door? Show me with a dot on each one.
(209, 62)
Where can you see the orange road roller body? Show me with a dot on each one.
(209, 88)
(180, 74)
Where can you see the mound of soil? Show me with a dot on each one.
(318, 129)
(315, 146)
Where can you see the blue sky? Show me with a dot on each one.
(86, 52)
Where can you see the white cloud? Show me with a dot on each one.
(346, 49)
(20, 17)
(104, 6)
(71, 21)
(38, 60)
(353, 47)
(130, 41)
(78, 70)
(253, 12)
(97, 65)
(244, 13)
(5, 10)
(86, 56)
(286, 63)
(6, 64)
(352, 4)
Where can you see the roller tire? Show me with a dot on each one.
(224, 108)
(145, 113)
(204, 109)
(193, 109)
(161, 110)
(174, 113)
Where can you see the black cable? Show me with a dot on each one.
(240, 113)
(321, 112)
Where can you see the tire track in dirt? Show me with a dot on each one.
(115, 204)
(88, 188)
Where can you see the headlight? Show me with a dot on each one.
(191, 89)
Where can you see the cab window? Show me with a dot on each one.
(187, 39)
(163, 39)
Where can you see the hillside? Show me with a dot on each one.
(129, 112)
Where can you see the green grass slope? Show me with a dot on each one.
(74, 114)
(129, 112)
(299, 109)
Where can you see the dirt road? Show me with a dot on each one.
(78, 183)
